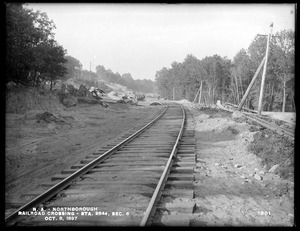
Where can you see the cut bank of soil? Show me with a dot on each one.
(227, 192)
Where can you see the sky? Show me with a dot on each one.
(143, 38)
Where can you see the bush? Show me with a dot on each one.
(275, 149)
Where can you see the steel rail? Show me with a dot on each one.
(67, 181)
(271, 126)
(243, 108)
(265, 123)
(146, 221)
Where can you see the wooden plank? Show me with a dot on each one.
(183, 194)
(182, 184)
(173, 220)
(180, 177)
(188, 170)
(177, 207)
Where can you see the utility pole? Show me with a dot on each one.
(264, 73)
(251, 84)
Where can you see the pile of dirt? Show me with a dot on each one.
(215, 112)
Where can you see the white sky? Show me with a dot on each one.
(143, 38)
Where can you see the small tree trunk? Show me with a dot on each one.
(237, 89)
(223, 89)
(213, 96)
(173, 93)
(242, 91)
(206, 99)
(35, 78)
(51, 84)
(271, 99)
(284, 96)
(294, 106)
(200, 94)
(209, 95)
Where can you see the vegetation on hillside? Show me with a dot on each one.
(226, 80)
(274, 149)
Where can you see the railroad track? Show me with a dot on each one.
(145, 179)
(260, 120)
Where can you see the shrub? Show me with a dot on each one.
(275, 149)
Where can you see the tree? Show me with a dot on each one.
(162, 78)
(279, 70)
(73, 66)
(257, 51)
(55, 62)
(194, 72)
(242, 70)
(29, 42)
(284, 53)
(19, 40)
(186, 78)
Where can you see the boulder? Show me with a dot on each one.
(82, 91)
(237, 165)
(257, 177)
(257, 135)
(219, 105)
(71, 89)
(238, 116)
(68, 100)
(274, 168)
(51, 126)
(253, 136)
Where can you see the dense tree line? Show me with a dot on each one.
(90, 78)
(107, 75)
(32, 54)
(227, 80)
